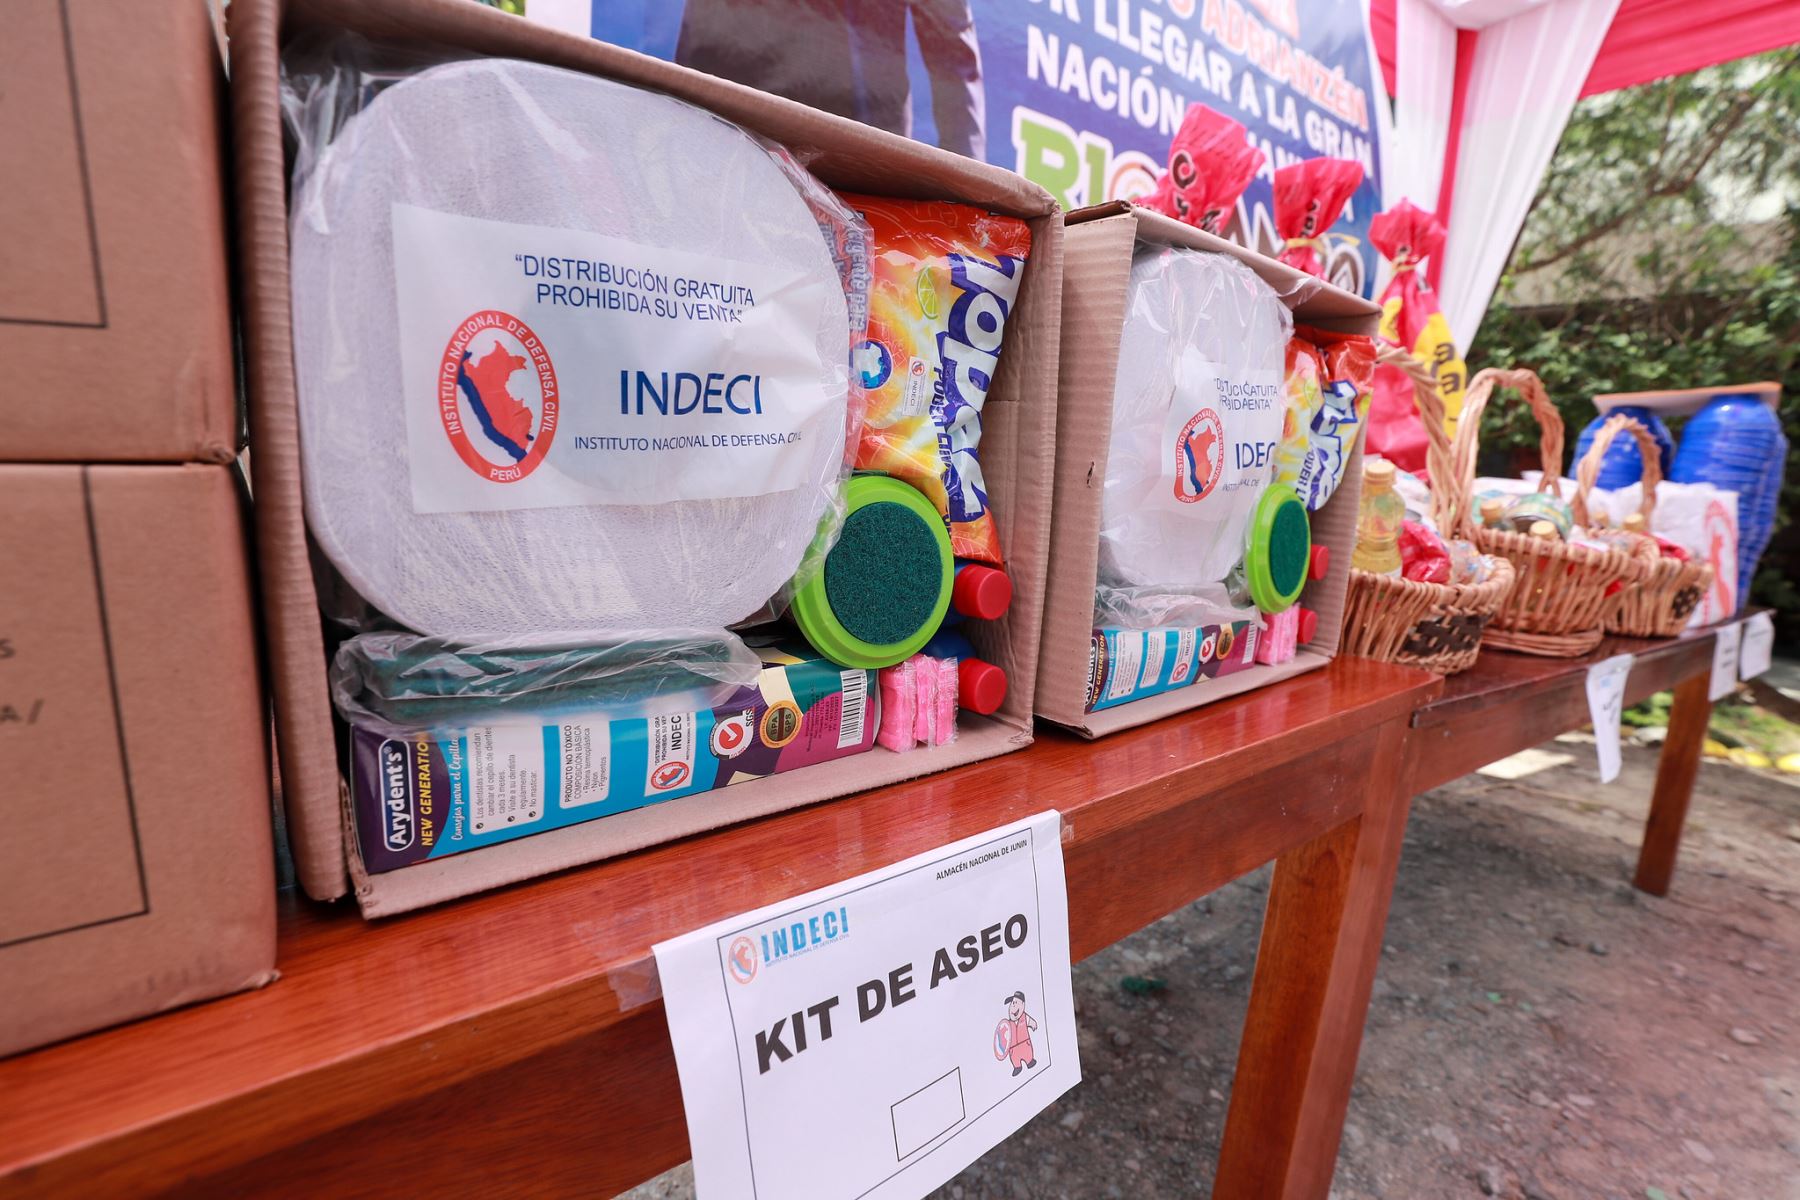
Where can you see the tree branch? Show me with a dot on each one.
(1719, 132)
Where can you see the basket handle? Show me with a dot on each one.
(1468, 438)
(1439, 464)
(1588, 469)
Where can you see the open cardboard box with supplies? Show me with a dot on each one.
(1097, 252)
(1019, 425)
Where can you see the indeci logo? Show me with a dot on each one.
(740, 960)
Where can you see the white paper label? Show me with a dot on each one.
(871, 1039)
(1759, 646)
(1128, 656)
(1184, 655)
(506, 776)
(1725, 660)
(1154, 645)
(1219, 440)
(548, 367)
(586, 763)
(1606, 704)
(670, 757)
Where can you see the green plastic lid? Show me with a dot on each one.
(1280, 550)
(885, 585)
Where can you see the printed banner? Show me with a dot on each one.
(1079, 96)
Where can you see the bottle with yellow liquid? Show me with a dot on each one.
(1378, 520)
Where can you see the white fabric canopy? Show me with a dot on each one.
(1425, 54)
(1523, 83)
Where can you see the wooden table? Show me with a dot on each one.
(1509, 702)
(514, 1043)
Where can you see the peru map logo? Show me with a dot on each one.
(1199, 457)
(497, 396)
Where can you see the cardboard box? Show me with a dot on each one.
(115, 305)
(1019, 424)
(136, 870)
(1097, 251)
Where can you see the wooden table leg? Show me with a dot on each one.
(1321, 942)
(1676, 768)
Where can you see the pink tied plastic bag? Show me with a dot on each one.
(1210, 165)
(1309, 198)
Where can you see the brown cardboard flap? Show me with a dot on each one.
(1017, 443)
(307, 752)
(1098, 249)
(1099, 254)
(1205, 691)
(137, 873)
(1323, 304)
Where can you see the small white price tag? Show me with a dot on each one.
(867, 1041)
(1606, 704)
(1725, 660)
(1759, 646)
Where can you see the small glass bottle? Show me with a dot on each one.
(1378, 520)
(1492, 513)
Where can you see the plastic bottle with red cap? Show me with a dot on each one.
(1284, 632)
(981, 684)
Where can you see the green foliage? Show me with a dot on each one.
(1646, 199)
(1732, 723)
(1651, 714)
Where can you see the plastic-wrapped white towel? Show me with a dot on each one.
(1197, 413)
(572, 356)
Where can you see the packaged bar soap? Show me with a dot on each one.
(431, 793)
(1129, 664)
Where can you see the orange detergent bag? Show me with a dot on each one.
(944, 279)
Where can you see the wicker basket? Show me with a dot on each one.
(1661, 605)
(1563, 594)
(1437, 626)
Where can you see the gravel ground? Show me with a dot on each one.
(1538, 1028)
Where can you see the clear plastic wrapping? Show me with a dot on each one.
(573, 357)
(401, 683)
(1198, 409)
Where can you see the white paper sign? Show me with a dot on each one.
(869, 1040)
(1759, 646)
(1606, 703)
(546, 367)
(1725, 660)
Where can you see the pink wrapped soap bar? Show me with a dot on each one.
(1280, 637)
(899, 707)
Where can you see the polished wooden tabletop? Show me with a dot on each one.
(1501, 677)
(371, 1016)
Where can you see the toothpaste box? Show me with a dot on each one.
(433, 793)
(1127, 664)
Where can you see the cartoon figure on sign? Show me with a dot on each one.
(1012, 1037)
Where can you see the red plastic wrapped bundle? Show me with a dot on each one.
(1411, 320)
(1423, 556)
(1309, 197)
(1210, 165)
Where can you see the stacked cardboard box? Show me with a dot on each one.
(136, 871)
